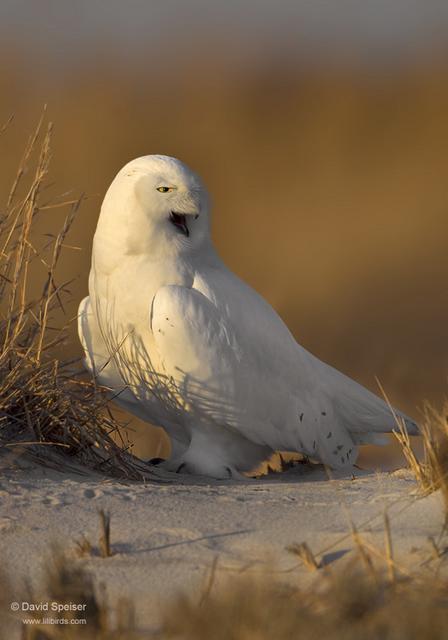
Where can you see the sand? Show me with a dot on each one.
(165, 537)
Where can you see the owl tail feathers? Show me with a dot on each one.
(366, 416)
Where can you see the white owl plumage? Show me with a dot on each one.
(182, 343)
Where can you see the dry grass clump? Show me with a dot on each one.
(340, 605)
(67, 583)
(345, 606)
(305, 554)
(84, 547)
(47, 409)
(431, 472)
(370, 598)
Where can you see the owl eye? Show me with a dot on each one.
(164, 189)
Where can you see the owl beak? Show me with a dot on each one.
(179, 220)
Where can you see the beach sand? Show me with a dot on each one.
(165, 537)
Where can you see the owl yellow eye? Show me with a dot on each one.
(164, 189)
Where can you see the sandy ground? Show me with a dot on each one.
(165, 537)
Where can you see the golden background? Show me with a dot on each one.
(329, 185)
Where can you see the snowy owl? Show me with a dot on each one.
(181, 342)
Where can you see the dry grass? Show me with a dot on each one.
(347, 604)
(431, 472)
(344, 607)
(84, 547)
(47, 409)
(305, 554)
(66, 582)
(369, 597)
(105, 547)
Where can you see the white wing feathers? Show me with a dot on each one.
(199, 349)
(191, 334)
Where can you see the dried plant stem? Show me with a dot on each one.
(210, 582)
(104, 541)
(389, 548)
(303, 551)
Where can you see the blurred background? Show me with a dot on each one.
(320, 128)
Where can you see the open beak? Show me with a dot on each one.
(179, 220)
